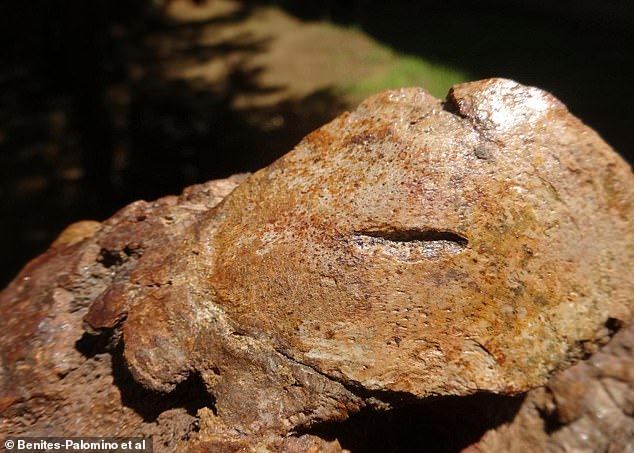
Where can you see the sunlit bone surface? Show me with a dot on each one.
(412, 248)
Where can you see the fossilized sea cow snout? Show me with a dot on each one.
(433, 248)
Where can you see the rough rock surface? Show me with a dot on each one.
(587, 408)
(409, 250)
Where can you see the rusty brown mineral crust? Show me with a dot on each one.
(412, 248)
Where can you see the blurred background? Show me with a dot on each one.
(105, 102)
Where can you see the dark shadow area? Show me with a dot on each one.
(442, 425)
(212, 139)
(579, 51)
(190, 394)
(90, 345)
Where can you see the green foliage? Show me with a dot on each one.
(396, 71)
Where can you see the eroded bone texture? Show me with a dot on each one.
(412, 249)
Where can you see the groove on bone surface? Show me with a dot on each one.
(410, 245)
